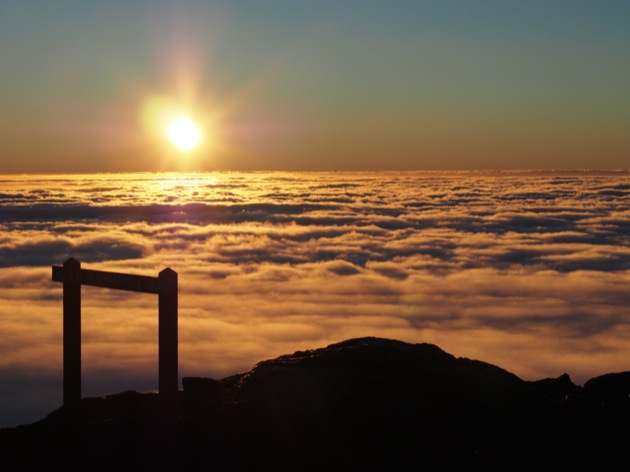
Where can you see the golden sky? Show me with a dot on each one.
(323, 85)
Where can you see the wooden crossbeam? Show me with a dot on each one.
(165, 286)
(114, 280)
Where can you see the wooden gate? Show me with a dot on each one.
(165, 286)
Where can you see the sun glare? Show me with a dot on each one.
(184, 133)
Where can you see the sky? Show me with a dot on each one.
(528, 271)
(327, 85)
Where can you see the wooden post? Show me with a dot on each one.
(165, 286)
(167, 320)
(71, 331)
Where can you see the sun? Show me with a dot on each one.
(184, 133)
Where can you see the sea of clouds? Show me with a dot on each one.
(526, 270)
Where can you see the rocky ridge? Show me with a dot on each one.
(362, 404)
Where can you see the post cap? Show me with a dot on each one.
(168, 272)
(72, 263)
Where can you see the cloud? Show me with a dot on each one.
(529, 272)
(37, 249)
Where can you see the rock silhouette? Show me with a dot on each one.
(362, 404)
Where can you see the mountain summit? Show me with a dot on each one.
(362, 404)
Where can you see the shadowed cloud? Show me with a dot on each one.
(525, 270)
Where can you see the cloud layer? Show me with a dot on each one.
(526, 270)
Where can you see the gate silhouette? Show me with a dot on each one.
(165, 286)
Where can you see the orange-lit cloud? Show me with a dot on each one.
(527, 271)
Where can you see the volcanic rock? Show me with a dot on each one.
(362, 404)
(559, 388)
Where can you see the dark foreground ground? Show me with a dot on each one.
(363, 404)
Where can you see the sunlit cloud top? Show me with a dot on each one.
(527, 270)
